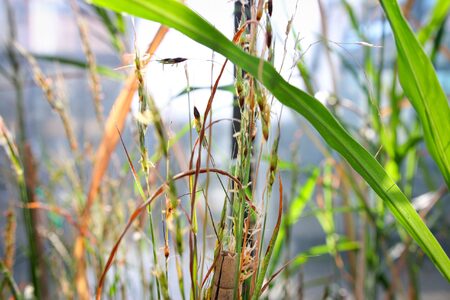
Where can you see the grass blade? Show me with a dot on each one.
(314, 251)
(438, 16)
(293, 215)
(270, 247)
(12, 283)
(421, 85)
(102, 70)
(324, 249)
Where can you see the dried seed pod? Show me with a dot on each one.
(259, 12)
(265, 121)
(262, 101)
(253, 132)
(197, 120)
(138, 72)
(265, 130)
(250, 99)
(269, 7)
(196, 114)
(274, 155)
(166, 251)
(198, 126)
(268, 33)
(260, 97)
(288, 27)
(240, 93)
(274, 158)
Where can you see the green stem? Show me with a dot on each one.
(12, 283)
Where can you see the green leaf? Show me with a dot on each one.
(326, 216)
(293, 215)
(114, 30)
(306, 192)
(421, 85)
(324, 249)
(102, 70)
(176, 15)
(438, 16)
(226, 88)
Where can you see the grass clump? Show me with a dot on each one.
(203, 227)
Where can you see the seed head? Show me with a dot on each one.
(196, 114)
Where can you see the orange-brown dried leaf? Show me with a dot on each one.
(114, 123)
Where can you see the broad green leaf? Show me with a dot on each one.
(420, 83)
(176, 15)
